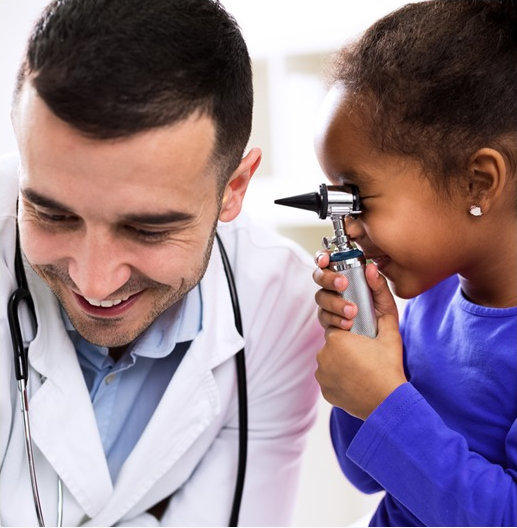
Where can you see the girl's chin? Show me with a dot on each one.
(407, 289)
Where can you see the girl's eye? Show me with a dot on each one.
(364, 201)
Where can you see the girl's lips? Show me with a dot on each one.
(117, 310)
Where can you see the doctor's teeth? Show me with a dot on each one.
(105, 304)
(93, 302)
(109, 304)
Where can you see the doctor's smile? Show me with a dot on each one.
(106, 304)
(113, 305)
(107, 308)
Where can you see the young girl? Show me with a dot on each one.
(422, 117)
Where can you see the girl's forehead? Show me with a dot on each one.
(341, 113)
(346, 151)
(335, 105)
(342, 140)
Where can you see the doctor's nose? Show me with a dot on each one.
(98, 267)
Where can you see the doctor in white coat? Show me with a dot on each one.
(131, 124)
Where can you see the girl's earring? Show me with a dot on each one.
(475, 210)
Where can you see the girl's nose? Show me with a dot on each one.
(354, 227)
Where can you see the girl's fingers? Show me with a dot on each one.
(322, 259)
(329, 320)
(382, 296)
(329, 280)
(333, 304)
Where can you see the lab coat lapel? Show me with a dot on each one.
(188, 407)
(62, 418)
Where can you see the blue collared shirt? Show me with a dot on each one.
(125, 393)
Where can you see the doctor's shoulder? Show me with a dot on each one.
(9, 164)
(8, 197)
(273, 275)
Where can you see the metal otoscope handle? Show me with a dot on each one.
(352, 264)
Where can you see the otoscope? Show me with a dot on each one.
(338, 202)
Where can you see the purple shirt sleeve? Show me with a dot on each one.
(407, 448)
(343, 428)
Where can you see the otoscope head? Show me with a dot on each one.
(342, 200)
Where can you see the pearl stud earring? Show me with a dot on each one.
(475, 210)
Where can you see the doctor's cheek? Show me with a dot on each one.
(39, 246)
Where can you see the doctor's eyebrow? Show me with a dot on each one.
(167, 217)
(43, 201)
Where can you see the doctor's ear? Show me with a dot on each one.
(237, 185)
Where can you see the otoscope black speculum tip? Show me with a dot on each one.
(309, 202)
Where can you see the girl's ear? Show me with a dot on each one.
(488, 175)
(237, 185)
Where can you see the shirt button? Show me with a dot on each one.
(109, 379)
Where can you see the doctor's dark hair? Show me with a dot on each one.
(437, 81)
(113, 68)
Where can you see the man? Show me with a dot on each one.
(131, 118)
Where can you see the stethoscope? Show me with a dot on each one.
(22, 296)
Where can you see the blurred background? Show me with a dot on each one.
(290, 42)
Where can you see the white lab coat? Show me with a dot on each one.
(189, 448)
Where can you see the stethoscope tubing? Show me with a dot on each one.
(19, 296)
(24, 400)
(240, 360)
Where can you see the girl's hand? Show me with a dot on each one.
(355, 372)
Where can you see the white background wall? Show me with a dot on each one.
(287, 40)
